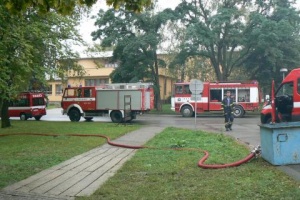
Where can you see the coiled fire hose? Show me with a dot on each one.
(254, 153)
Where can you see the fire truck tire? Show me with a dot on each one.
(187, 111)
(116, 116)
(23, 117)
(74, 115)
(268, 119)
(129, 120)
(37, 118)
(238, 111)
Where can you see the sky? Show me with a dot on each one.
(87, 25)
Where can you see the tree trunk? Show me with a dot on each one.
(158, 98)
(182, 73)
(5, 122)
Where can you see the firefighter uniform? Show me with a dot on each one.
(228, 105)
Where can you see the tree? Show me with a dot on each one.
(135, 38)
(183, 65)
(214, 31)
(26, 57)
(30, 46)
(262, 36)
(272, 38)
(66, 7)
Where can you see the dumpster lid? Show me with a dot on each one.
(281, 125)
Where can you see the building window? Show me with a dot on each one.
(111, 65)
(96, 82)
(49, 90)
(58, 89)
(165, 87)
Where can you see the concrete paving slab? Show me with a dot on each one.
(95, 185)
(30, 196)
(41, 181)
(48, 186)
(66, 184)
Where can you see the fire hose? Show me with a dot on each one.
(254, 153)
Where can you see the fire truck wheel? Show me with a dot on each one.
(187, 111)
(238, 111)
(23, 117)
(74, 115)
(116, 116)
(269, 120)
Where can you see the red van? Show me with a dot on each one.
(28, 105)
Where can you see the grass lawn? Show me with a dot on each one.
(23, 156)
(152, 173)
(172, 174)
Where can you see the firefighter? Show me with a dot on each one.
(227, 105)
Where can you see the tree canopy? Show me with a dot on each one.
(66, 7)
(135, 38)
(272, 40)
(240, 39)
(34, 35)
(258, 35)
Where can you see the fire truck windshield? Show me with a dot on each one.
(70, 92)
(285, 89)
(182, 89)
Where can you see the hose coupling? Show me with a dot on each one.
(256, 151)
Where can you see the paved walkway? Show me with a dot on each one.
(84, 174)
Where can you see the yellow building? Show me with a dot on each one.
(96, 72)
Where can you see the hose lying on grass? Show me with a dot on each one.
(201, 164)
(253, 154)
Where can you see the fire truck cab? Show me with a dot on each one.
(286, 100)
(245, 94)
(28, 105)
(120, 101)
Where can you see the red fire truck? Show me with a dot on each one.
(121, 101)
(286, 100)
(245, 94)
(28, 105)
